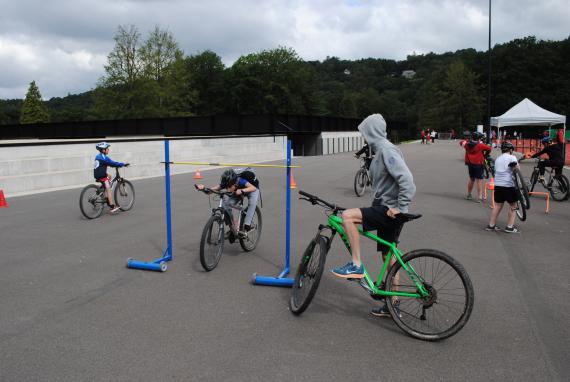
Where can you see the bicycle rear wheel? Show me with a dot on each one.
(559, 188)
(92, 201)
(124, 194)
(212, 242)
(449, 304)
(360, 182)
(249, 242)
(308, 274)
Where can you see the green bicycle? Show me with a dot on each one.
(430, 295)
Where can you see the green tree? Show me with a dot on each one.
(461, 102)
(272, 81)
(208, 80)
(33, 109)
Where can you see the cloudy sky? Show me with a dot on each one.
(63, 44)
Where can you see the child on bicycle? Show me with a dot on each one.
(393, 187)
(368, 154)
(102, 161)
(474, 160)
(555, 152)
(505, 190)
(241, 185)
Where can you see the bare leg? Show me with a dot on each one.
(495, 214)
(109, 196)
(511, 216)
(479, 188)
(350, 218)
(470, 186)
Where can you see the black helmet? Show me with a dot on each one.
(228, 178)
(507, 146)
(475, 136)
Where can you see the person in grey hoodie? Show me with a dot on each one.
(393, 189)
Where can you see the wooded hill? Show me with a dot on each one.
(436, 91)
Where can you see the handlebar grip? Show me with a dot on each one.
(306, 194)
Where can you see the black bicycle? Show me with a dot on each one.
(93, 199)
(555, 182)
(362, 178)
(221, 227)
(489, 166)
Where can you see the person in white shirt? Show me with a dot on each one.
(505, 190)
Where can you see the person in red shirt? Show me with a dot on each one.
(474, 159)
(423, 136)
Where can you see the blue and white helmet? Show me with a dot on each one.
(102, 146)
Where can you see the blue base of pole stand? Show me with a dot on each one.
(280, 280)
(158, 265)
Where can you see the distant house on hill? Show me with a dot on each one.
(408, 74)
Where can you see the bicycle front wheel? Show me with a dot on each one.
(124, 195)
(559, 188)
(309, 274)
(360, 182)
(522, 190)
(92, 201)
(212, 242)
(252, 237)
(521, 211)
(533, 180)
(446, 309)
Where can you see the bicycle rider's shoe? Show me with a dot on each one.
(492, 228)
(246, 229)
(512, 229)
(349, 271)
(382, 311)
(115, 208)
(468, 197)
(541, 178)
(232, 237)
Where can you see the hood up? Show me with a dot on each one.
(373, 129)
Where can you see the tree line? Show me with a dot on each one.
(153, 78)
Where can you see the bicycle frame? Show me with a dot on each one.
(239, 207)
(335, 225)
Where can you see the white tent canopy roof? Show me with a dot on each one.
(527, 112)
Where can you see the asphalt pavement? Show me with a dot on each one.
(71, 311)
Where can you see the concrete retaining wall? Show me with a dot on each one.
(333, 143)
(42, 168)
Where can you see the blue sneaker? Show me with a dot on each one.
(383, 311)
(349, 271)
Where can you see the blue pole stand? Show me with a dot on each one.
(282, 280)
(159, 265)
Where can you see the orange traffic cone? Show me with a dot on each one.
(3, 202)
(197, 175)
(293, 184)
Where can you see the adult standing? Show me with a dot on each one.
(474, 160)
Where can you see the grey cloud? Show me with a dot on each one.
(62, 44)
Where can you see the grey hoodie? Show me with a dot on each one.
(392, 181)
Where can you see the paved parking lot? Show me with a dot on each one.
(71, 311)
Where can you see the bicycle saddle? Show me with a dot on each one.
(404, 218)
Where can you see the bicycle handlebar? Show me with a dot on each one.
(402, 217)
(207, 190)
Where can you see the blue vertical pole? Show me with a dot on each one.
(282, 280)
(288, 214)
(160, 264)
(168, 255)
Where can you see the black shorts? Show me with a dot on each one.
(476, 171)
(375, 217)
(505, 194)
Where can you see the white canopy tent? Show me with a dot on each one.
(527, 113)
